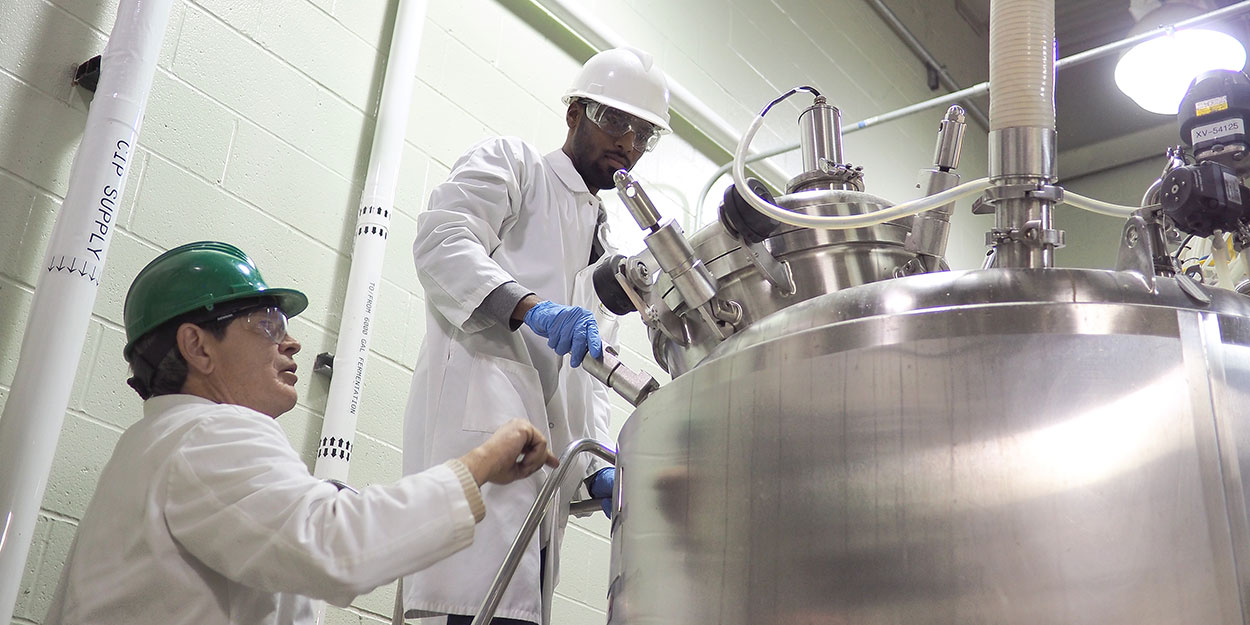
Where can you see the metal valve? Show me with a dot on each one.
(675, 256)
(931, 229)
(634, 386)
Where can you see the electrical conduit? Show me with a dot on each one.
(66, 290)
(338, 430)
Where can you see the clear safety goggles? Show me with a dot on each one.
(616, 123)
(269, 322)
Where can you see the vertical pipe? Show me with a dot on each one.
(1022, 127)
(66, 290)
(373, 218)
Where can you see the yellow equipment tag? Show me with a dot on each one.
(1214, 105)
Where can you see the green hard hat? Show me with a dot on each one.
(196, 276)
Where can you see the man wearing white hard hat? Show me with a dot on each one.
(509, 240)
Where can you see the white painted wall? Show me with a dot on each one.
(257, 133)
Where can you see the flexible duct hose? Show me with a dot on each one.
(1022, 64)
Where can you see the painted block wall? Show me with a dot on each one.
(258, 130)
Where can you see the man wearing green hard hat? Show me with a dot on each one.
(205, 514)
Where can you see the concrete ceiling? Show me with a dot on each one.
(1098, 126)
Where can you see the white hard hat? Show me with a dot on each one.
(625, 79)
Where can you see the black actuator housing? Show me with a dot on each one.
(1213, 118)
(1203, 198)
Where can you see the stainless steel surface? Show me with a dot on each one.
(1024, 233)
(1022, 153)
(931, 229)
(632, 386)
(681, 264)
(585, 445)
(1136, 254)
(585, 507)
(636, 200)
(820, 135)
(1001, 446)
(820, 261)
(694, 285)
(950, 139)
(341, 485)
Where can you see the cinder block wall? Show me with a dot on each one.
(258, 131)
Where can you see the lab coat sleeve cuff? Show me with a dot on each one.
(471, 491)
(500, 303)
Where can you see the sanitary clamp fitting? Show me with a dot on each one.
(984, 205)
(1032, 234)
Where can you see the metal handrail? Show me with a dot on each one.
(586, 445)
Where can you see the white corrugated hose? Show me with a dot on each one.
(1022, 64)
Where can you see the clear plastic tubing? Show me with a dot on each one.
(1099, 206)
(840, 222)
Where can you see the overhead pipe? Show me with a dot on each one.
(984, 87)
(65, 292)
(917, 48)
(373, 219)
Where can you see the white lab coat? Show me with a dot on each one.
(506, 213)
(205, 515)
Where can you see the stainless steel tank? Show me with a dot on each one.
(999, 446)
(821, 261)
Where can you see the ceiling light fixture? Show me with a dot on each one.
(1156, 73)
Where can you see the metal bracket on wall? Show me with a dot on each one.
(324, 364)
(87, 75)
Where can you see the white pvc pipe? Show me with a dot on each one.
(840, 222)
(1022, 64)
(66, 290)
(373, 218)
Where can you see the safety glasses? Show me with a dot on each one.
(616, 123)
(269, 321)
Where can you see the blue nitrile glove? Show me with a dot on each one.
(600, 487)
(568, 329)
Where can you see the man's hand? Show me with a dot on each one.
(513, 452)
(568, 329)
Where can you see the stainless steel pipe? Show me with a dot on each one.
(586, 445)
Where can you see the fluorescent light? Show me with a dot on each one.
(1156, 73)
